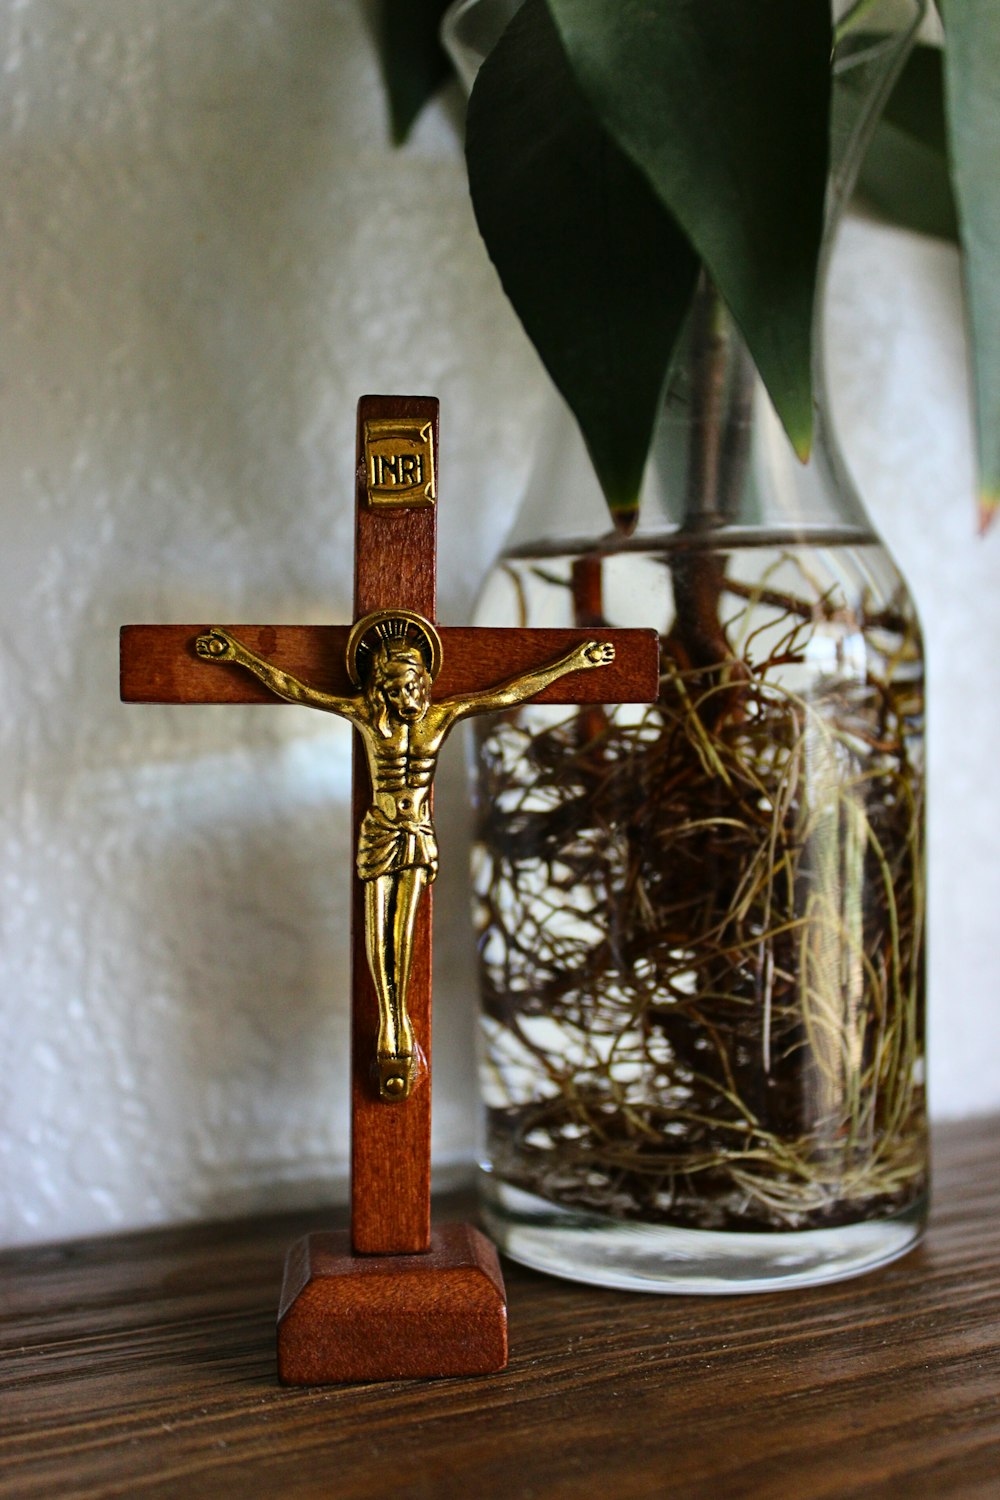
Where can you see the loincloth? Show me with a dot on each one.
(385, 847)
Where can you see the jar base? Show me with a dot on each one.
(588, 1247)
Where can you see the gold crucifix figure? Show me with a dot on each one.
(393, 657)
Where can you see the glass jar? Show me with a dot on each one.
(701, 922)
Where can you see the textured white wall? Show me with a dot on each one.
(208, 251)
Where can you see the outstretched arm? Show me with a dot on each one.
(519, 689)
(219, 645)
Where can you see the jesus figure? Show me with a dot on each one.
(393, 658)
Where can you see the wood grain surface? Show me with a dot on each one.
(143, 1366)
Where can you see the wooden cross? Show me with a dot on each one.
(394, 1299)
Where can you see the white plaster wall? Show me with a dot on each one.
(207, 252)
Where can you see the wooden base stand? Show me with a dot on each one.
(346, 1317)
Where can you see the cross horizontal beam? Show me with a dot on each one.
(159, 665)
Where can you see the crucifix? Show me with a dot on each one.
(392, 1298)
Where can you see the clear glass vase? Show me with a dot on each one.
(701, 922)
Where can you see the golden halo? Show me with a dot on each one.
(391, 625)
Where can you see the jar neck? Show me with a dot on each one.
(720, 465)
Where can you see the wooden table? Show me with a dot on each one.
(143, 1365)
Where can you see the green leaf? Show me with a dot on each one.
(414, 64)
(724, 105)
(597, 270)
(972, 73)
(905, 172)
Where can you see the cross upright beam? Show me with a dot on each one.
(395, 567)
